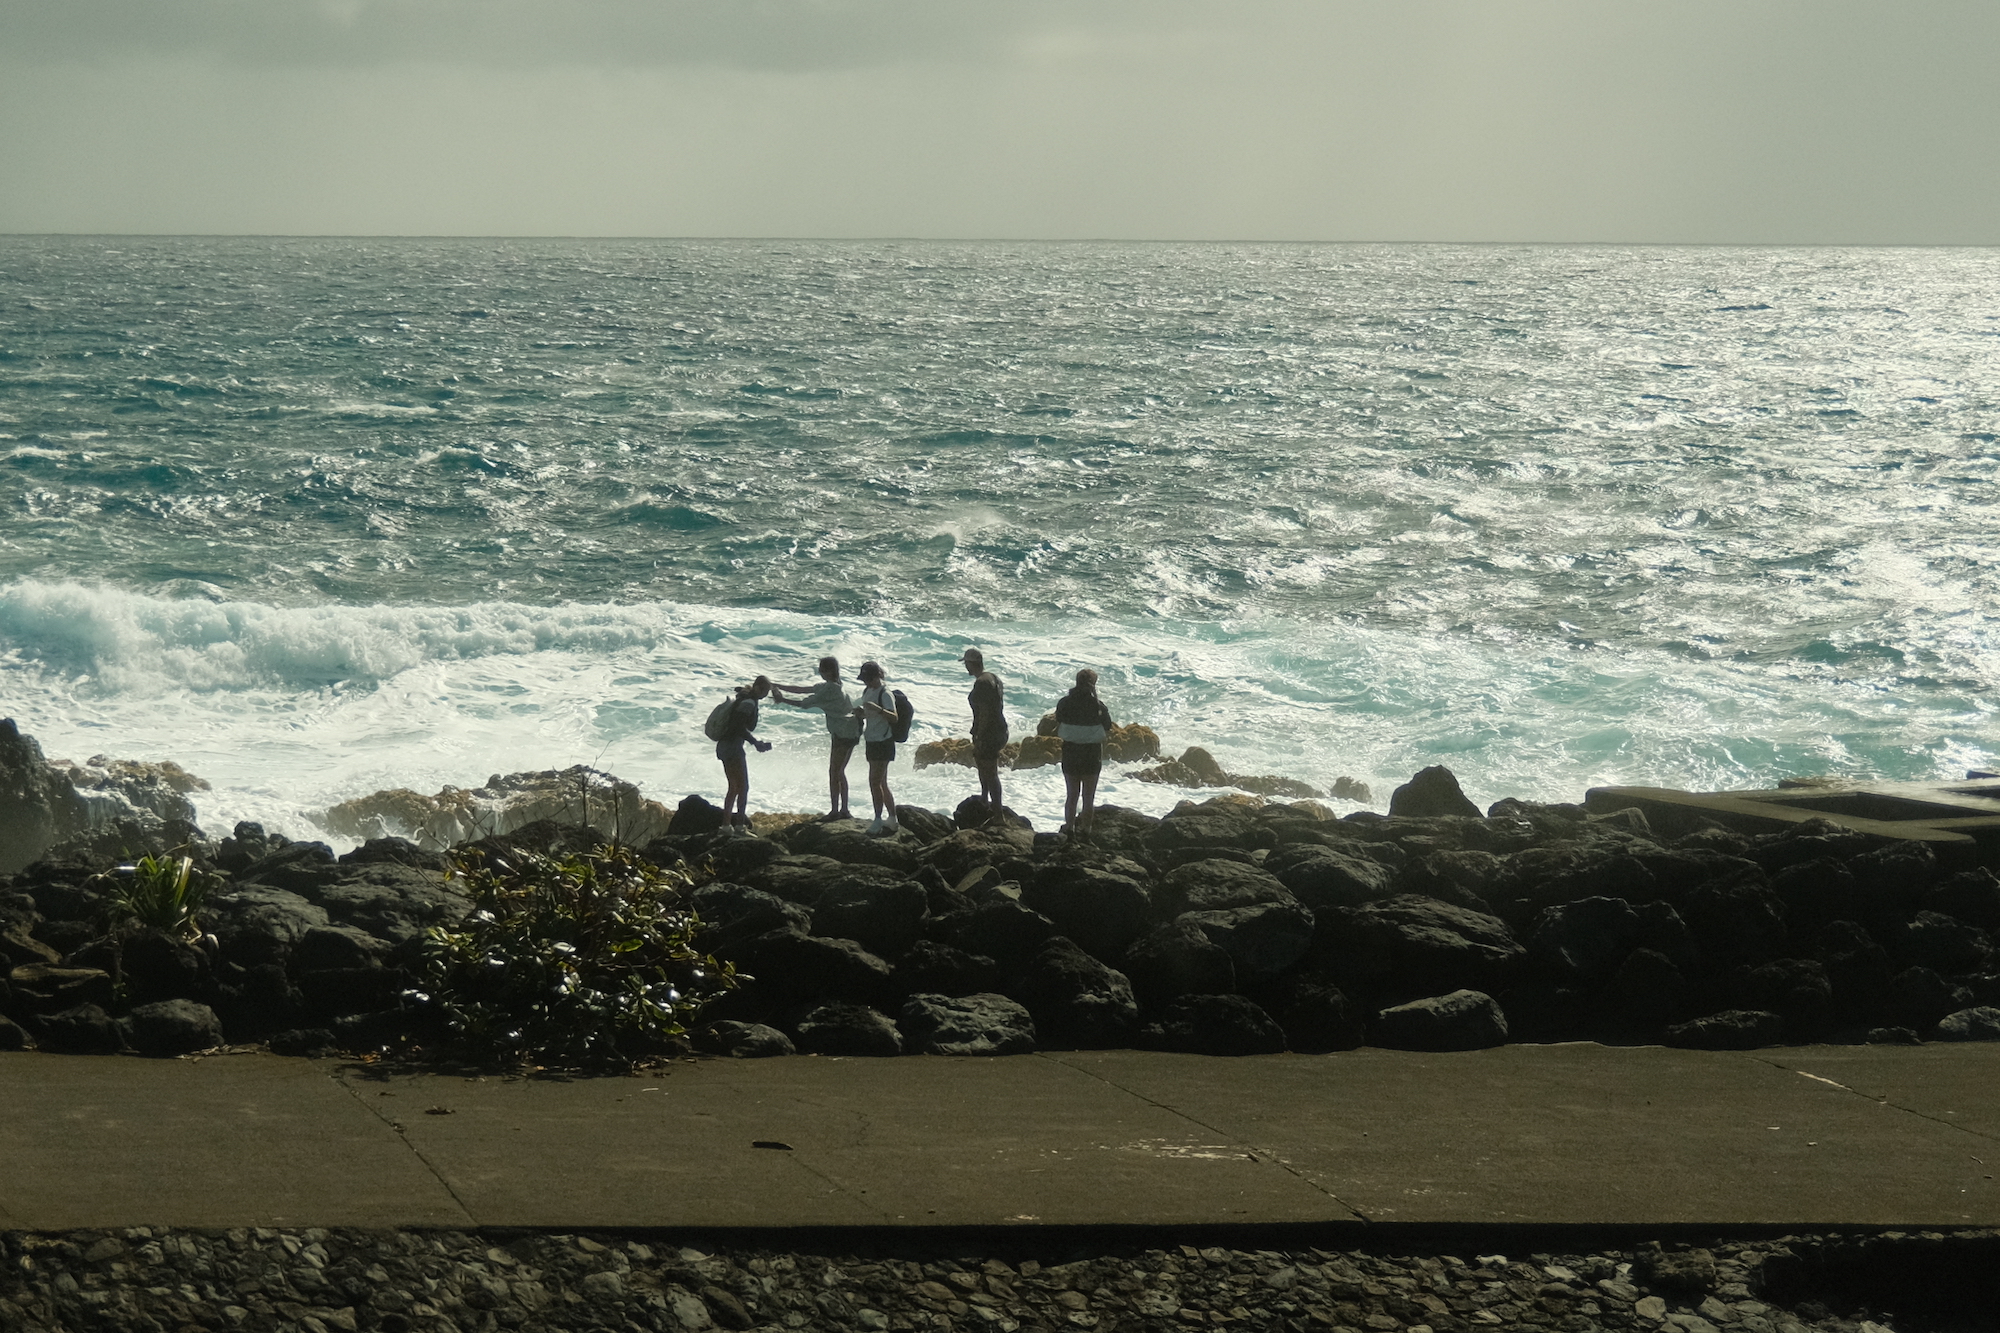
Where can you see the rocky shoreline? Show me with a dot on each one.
(339, 1281)
(1235, 925)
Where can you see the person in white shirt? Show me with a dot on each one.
(843, 727)
(878, 710)
(1082, 721)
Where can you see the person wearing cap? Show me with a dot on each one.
(878, 709)
(989, 724)
(843, 727)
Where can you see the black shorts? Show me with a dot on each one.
(1082, 759)
(881, 752)
(728, 750)
(987, 748)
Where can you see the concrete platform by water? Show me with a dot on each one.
(1804, 1137)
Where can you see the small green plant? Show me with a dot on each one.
(160, 893)
(584, 959)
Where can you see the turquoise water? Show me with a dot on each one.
(317, 517)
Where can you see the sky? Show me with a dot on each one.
(1680, 121)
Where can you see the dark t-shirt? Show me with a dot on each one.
(989, 716)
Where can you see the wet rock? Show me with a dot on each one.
(1433, 791)
(1262, 941)
(885, 918)
(1209, 826)
(1001, 928)
(788, 965)
(963, 852)
(1214, 1025)
(1101, 911)
(1077, 1002)
(1730, 1030)
(1796, 989)
(1177, 959)
(38, 806)
(1418, 944)
(256, 924)
(1323, 877)
(171, 1027)
(981, 1024)
(743, 1041)
(1215, 885)
(1938, 942)
(1316, 1017)
(1464, 1020)
(939, 969)
(1585, 940)
(848, 1029)
(1980, 1023)
(83, 1030)
(694, 816)
(46, 989)
(926, 826)
(156, 966)
(1919, 997)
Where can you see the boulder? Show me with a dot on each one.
(979, 1024)
(46, 989)
(13, 1037)
(1584, 940)
(886, 918)
(1077, 1002)
(394, 851)
(1972, 897)
(1919, 998)
(926, 826)
(930, 968)
(1417, 946)
(742, 1041)
(1646, 988)
(796, 879)
(18, 947)
(1464, 1020)
(310, 1043)
(1818, 891)
(1662, 930)
(1121, 829)
(737, 858)
(1216, 884)
(735, 913)
(1433, 791)
(1000, 928)
(1262, 941)
(83, 1030)
(849, 842)
(1796, 989)
(790, 966)
(848, 1029)
(1936, 941)
(325, 947)
(1103, 912)
(38, 806)
(1980, 1023)
(254, 1002)
(1730, 1030)
(255, 923)
(156, 966)
(1316, 1017)
(394, 903)
(171, 1027)
(1207, 826)
(695, 815)
(1323, 877)
(1174, 960)
(959, 855)
(1735, 920)
(1214, 1025)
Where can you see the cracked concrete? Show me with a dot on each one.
(1573, 1134)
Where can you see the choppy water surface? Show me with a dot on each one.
(320, 516)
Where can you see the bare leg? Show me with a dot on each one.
(1089, 784)
(1070, 785)
(878, 789)
(989, 778)
(836, 776)
(736, 797)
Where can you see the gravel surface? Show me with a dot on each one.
(317, 1281)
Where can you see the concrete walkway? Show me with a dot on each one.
(1576, 1134)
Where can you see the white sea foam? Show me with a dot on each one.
(288, 710)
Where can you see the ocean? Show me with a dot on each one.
(316, 517)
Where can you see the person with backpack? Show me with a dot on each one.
(843, 727)
(731, 724)
(1082, 722)
(885, 717)
(988, 698)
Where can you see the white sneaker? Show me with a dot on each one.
(876, 827)
(890, 825)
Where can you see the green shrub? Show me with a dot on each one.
(583, 959)
(159, 893)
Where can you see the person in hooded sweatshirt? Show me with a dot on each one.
(1082, 723)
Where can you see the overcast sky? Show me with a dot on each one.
(1483, 120)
